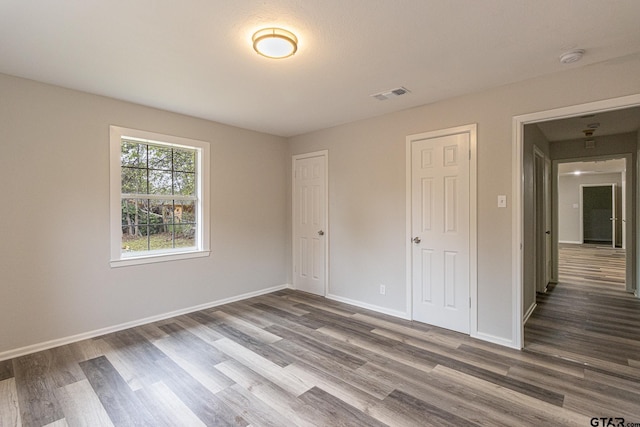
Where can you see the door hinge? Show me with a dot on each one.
(469, 154)
(469, 302)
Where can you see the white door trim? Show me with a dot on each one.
(325, 154)
(517, 222)
(613, 209)
(473, 219)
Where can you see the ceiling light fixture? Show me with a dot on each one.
(275, 43)
(574, 55)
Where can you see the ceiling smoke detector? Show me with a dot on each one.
(574, 55)
(393, 93)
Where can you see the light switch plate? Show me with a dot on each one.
(502, 201)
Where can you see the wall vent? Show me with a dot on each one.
(388, 94)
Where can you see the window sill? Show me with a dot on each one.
(150, 259)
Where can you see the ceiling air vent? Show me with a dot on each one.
(388, 94)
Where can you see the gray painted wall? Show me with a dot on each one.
(569, 196)
(367, 177)
(54, 252)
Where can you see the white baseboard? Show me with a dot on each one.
(570, 242)
(496, 340)
(529, 313)
(10, 354)
(383, 310)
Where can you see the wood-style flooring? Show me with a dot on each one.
(293, 359)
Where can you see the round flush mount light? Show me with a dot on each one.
(574, 55)
(275, 43)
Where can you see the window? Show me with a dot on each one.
(159, 197)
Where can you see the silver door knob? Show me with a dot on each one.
(416, 240)
(320, 233)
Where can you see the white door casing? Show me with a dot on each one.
(517, 168)
(310, 217)
(547, 221)
(442, 214)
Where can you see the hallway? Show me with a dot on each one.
(588, 316)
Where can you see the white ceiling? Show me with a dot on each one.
(590, 168)
(195, 56)
(605, 123)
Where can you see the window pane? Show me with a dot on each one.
(184, 160)
(160, 182)
(134, 180)
(134, 225)
(184, 183)
(187, 211)
(160, 158)
(185, 235)
(133, 154)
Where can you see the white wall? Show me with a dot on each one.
(55, 279)
(569, 202)
(367, 185)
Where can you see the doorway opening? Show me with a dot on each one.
(526, 252)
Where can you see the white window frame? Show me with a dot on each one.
(120, 259)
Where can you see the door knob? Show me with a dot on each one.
(320, 233)
(416, 240)
(547, 232)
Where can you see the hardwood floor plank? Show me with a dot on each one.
(81, 406)
(271, 394)
(168, 409)
(468, 404)
(601, 407)
(243, 310)
(419, 412)
(575, 387)
(219, 323)
(38, 375)
(203, 403)
(277, 315)
(251, 408)
(317, 347)
(367, 347)
(490, 364)
(621, 371)
(337, 412)
(281, 304)
(334, 369)
(340, 389)
(6, 370)
(262, 366)
(9, 406)
(193, 364)
(532, 411)
(189, 346)
(119, 401)
(247, 328)
(59, 423)
(133, 356)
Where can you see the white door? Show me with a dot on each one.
(310, 222)
(441, 230)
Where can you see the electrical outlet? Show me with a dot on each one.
(383, 289)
